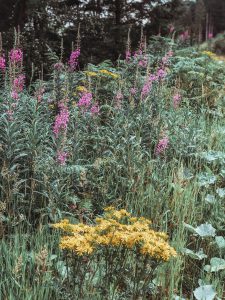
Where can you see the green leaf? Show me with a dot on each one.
(189, 228)
(195, 255)
(212, 155)
(62, 269)
(205, 292)
(221, 192)
(175, 297)
(205, 179)
(53, 256)
(210, 199)
(220, 241)
(216, 264)
(205, 230)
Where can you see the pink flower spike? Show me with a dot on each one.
(162, 145)
(61, 120)
(118, 98)
(16, 55)
(146, 89)
(210, 35)
(62, 157)
(73, 61)
(2, 63)
(133, 91)
(95, 109)
(161, 74)
(85, 100)
(15, 95)
(18, 83)
(171, 28)
(128, 55)
(176, 100)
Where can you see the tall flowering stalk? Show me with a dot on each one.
(176, 100)
(60, 130)
(148, 85)
(61, 121)
(118, 100)
(16, 56)
(73, 61)
(184, 36)
(162, 145)
(17, 78)
(128, 50)
(2, 63)
(85, 100)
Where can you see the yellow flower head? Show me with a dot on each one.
(116, 228)
(108, 73)
(91, 74)
(81, 89)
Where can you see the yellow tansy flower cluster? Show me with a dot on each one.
(91, 73)
(116, 228)
(108, 73)
(212, 55)
(101, 72)
(81, 89)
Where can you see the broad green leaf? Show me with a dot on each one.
(220, 241)
(221, 192)
(205, 292)
(175, 297)
(216, 264)
(205, 179)
(210, 199)
(195, 255)
(211, 156)
(205, 230)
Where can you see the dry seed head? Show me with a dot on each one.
(18, 266)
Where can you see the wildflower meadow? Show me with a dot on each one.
(112, 178)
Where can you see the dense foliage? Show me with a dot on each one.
(145, 136)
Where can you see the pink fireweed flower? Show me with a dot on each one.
(18, 83)
(73, 61)
(165, 59)
(15, 95)
(14, 105)
(162, 145)
(119, 98)
(95, 109)
(143, 62)
(170, 53)
(161, 74)
(39, 94)
(153, 77)
(176, 100)
(184, 36)
(210, 35)
(2, 63)
(146, 88)
(85, 100)
(16, 55)
(61, 120)
(10, 114)
(128, 55)
(58, 66)
(133, 91)
(138, 53)
(148, 85)
(62, 157)
(171, 28)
